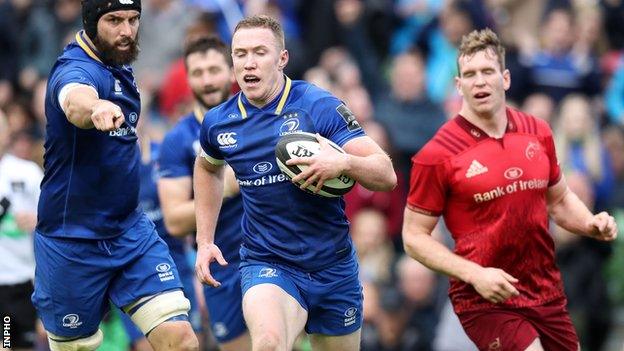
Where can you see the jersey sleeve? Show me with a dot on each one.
(334, 121)
(209, 150)
(173, 157)
(428, 188)
(76, 74)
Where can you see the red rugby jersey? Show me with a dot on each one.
(492, 195)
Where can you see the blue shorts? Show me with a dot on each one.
(332, 296)
(75, 278)
(187, 276)
(224, 305)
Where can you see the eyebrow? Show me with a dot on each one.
(254, 48)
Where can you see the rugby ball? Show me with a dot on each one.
(302, 144)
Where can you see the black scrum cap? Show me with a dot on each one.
(92, 10)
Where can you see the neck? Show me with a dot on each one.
(493, 124)
(273, 92)
(199, 111)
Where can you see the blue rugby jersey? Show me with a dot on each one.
(177, 159)
(91, 178)
(282, 223)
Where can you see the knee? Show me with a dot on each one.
(268, 341)
(187, 342)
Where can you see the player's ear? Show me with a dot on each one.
(283, 59)
(458, 85)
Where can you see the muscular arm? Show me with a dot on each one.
(208, 188)
(84, 110)
(177, 204)
(363, 161)
(369, 165)
(493, 284)
(570, 213)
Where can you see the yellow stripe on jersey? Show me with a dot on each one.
(85, 45)
(212, 160)
(280, 105)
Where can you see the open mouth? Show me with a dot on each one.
(480, 96)
(251, 79)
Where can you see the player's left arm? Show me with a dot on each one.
(570, 213)
(364, 161)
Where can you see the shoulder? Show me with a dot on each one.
(529, 124)
(309, 94)
(223, 112)
(450, 140)
(178, 131)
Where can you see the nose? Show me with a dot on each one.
(250, 62)
(480, 80)
(126, 29)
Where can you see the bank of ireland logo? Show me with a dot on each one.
(290, 125)
(133, 117)
(71, 321)
(163, 267)
(262, 167)
(226, 140)
(350, 316)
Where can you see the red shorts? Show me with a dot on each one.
(516, 328)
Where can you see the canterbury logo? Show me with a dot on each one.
(475, 169)
(226, 139)
(126, 2)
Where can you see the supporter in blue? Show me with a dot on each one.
(92, 242)
(614, 95)
(298, 265)
(209, 73)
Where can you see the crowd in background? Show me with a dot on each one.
(393, 62)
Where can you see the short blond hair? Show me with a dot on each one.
(481, 40)
(264, 21)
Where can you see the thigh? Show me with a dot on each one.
(16, 306)
(272, 303)
(71, 280)
(554, 326)
(335, 300)
(225, 308)
(148, 268)
(349, 342)
(498, 330)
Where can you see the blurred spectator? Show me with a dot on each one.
(50, 27)
(580, 148)
(13, 17)
(413, 16)
(163, 28)
(614, 12)
(614, 96)
(540, 105)
(582, 262)
(19, 193)
(407, 113)
(375, 252)
(439, 45)
(555, 68)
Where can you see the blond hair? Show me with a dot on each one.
(264, 21)
(481, 40)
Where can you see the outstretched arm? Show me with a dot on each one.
(570, 213)
(493, 284)
(85, 110)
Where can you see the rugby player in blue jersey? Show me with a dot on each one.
(209, 73)
(92, 242)
(298, 264)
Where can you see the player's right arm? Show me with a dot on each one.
(208, 187)
(85, 110)
(493, 284)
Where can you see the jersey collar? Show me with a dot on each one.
(280, 104)
(85, 43)
(198, 112)
(477, 133)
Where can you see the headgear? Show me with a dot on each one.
(92, 10)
